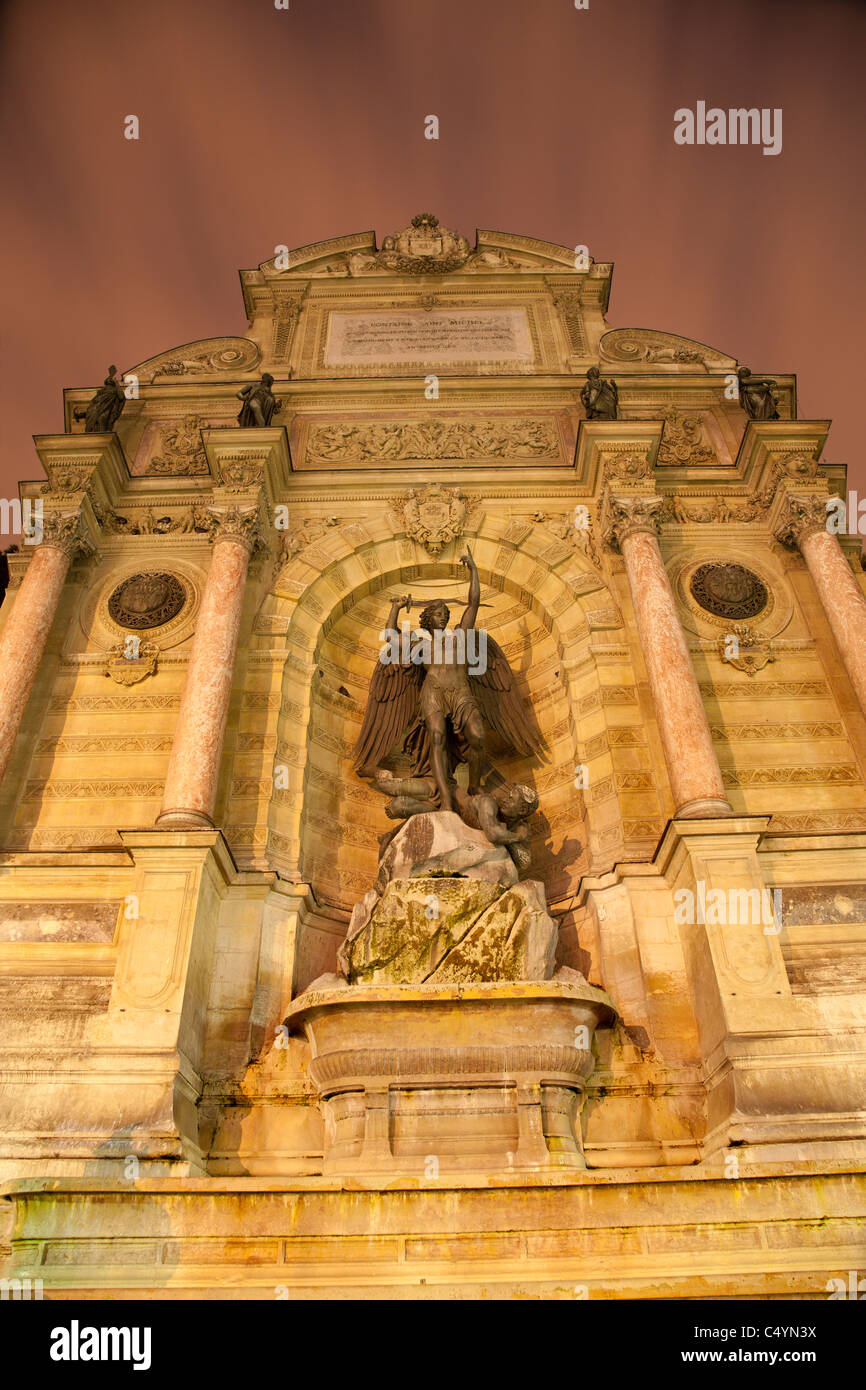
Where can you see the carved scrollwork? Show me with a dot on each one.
(745, 649)
(203, 358)
(131, 661)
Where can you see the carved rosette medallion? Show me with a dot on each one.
(728, 591)
(433, 516)
(802, 517)
(146, 600)
(630, 516)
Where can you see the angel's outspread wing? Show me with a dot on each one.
(391, 707)
(501, 705)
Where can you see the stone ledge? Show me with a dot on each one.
(652, 1235)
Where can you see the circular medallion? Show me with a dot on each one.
(146, 600)
(728, 590)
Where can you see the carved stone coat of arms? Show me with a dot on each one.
(433, 516)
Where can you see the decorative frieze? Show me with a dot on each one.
(410, 441)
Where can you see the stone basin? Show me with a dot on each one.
(451, 1078)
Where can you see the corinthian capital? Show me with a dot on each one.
(627, 516)
(801, 517)
(64, 531)
(242, 524)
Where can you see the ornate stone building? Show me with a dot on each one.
(186, 655)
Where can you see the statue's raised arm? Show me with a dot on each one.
(471, 613)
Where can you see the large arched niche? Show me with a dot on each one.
(324, 826)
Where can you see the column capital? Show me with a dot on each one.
(627, 516)
(66, 531)
(799, 515)
(245, 525)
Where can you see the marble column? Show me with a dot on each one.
(193, 769)
(804, 525)
(26, 630)
(693, 768)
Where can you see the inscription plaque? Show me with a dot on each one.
(435, 336)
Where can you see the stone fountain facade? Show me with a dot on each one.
(241, 1053)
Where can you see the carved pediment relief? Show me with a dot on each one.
(649, 347)
(427, 247)
(208, 357)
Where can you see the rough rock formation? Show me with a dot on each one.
(446, 910)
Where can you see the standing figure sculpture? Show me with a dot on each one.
(260, 405)
(443, 694)
(599, 396)
(757, 396)
(101, 412)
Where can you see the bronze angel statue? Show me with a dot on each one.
(444, 690)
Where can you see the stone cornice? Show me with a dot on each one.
(771, 449)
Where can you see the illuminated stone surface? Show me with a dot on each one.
(181, 1114)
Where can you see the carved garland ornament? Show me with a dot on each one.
(146, 600)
